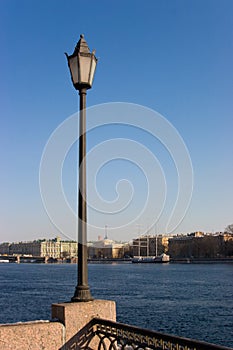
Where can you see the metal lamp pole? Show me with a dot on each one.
(82, 291)
(82, 64)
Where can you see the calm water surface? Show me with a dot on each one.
(188, 300)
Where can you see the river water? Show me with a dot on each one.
(190, 300)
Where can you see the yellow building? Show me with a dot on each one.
(54, 248)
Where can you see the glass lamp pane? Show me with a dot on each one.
(92, 71)
(84, 64)
(73, 63)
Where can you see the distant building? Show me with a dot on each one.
(5, 248)
(50, 248)
(26, 248)
(196, 234)
(228, 243)
(105, 248)
(200, 245)
(68, 249)
(180, 247)
(54, 248)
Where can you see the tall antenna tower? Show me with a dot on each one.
(106, 233)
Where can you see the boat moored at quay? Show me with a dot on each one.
(163, 258)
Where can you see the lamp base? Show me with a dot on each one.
(74, 316)
(82, 294)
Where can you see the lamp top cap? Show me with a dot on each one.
(81, 46)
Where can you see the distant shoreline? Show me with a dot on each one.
(172, 261)
(201, 260)
(36, 260)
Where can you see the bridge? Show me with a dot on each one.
(22, 259)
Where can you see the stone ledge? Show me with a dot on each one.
(68, 319)
(35, 335)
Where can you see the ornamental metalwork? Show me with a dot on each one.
(102, 334)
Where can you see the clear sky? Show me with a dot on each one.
(174, 57)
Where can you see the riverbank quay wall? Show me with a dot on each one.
(67, 320)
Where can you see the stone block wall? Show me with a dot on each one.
(36, 335)
(68, 319)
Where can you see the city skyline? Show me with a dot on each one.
(135, 236)
(174, 58)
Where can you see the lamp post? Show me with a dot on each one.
(82, 64)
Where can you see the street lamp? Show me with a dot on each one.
(82, 65)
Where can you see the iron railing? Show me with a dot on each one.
(102, 334)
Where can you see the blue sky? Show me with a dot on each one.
(174, 57)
